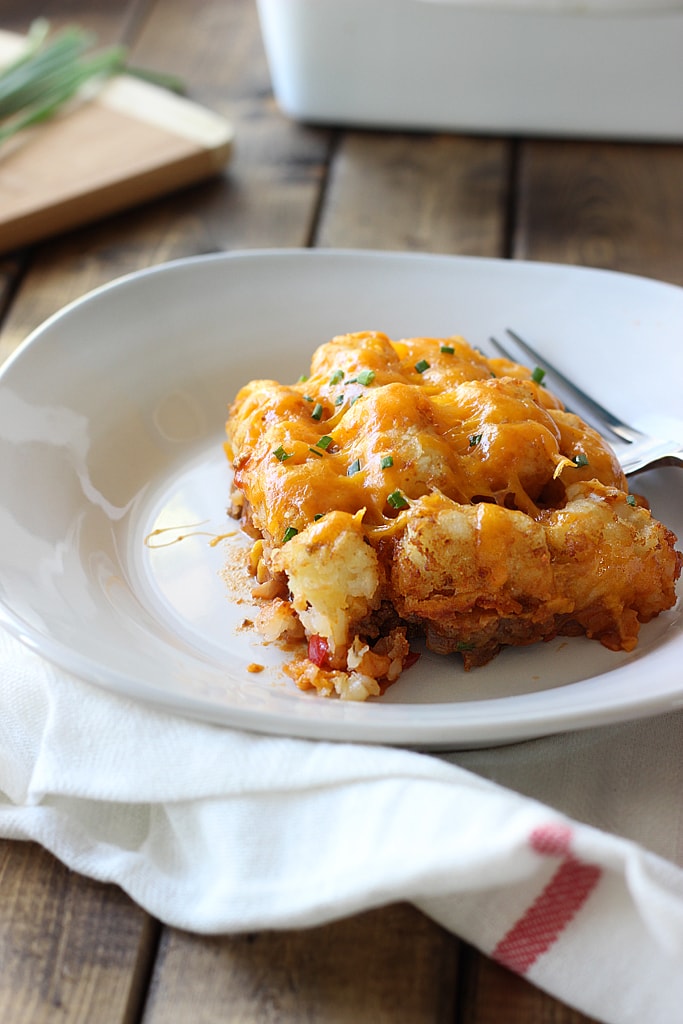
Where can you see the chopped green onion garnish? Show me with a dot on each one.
(353, 468)
(421, 366)
(337, 376)
(281, 455)
(365, 377)
(317, 411)
(581, 459)
(538, 375)
(447, 350)
(397, 500)
(51, 71)
(307, 398)
(475, 439)
(290, 532)
(324, 442)
(339, 399)
(464, 645)
(303, 378)
(387, 461)
(630, 499)
(316, 452)
(318, 516)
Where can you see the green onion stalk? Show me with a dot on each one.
(52, 70)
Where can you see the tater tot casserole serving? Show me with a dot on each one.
(416, 488)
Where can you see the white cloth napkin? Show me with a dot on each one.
(559, 857)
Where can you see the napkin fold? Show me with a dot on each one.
(556, 856)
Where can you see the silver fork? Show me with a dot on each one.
(635, 450)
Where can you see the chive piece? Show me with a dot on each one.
(339, 399)
(397, 500)
(447, 350)
(317, 413)
(307, 398)
(366, 377)
(324, 442)
(581, 459)
(475, 440)
(317, 452)
(387, 461)
(290, 532)
(303, 378)
(421, 366)
(353, 468)
(318, 516)
(281, 455)
(631, 500)
(538, 375)
(464, 645)
(337, 376)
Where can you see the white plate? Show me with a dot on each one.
(111, 425)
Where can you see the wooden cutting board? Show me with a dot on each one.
(132, 142)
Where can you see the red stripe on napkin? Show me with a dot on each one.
(550, 913)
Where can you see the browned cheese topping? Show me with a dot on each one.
(418, 487)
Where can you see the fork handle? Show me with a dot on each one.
(617, 426)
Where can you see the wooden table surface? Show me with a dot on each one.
(75, 950)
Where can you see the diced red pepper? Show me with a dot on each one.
(318, 651)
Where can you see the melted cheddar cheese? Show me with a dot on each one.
(418, 483)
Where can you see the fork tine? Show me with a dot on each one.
(605, 418)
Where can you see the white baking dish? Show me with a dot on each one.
(607, 68)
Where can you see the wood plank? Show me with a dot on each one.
(108, 19)
(386, 966)
(612, 205)
(71, 950)
(270, 193)
(436, 193)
